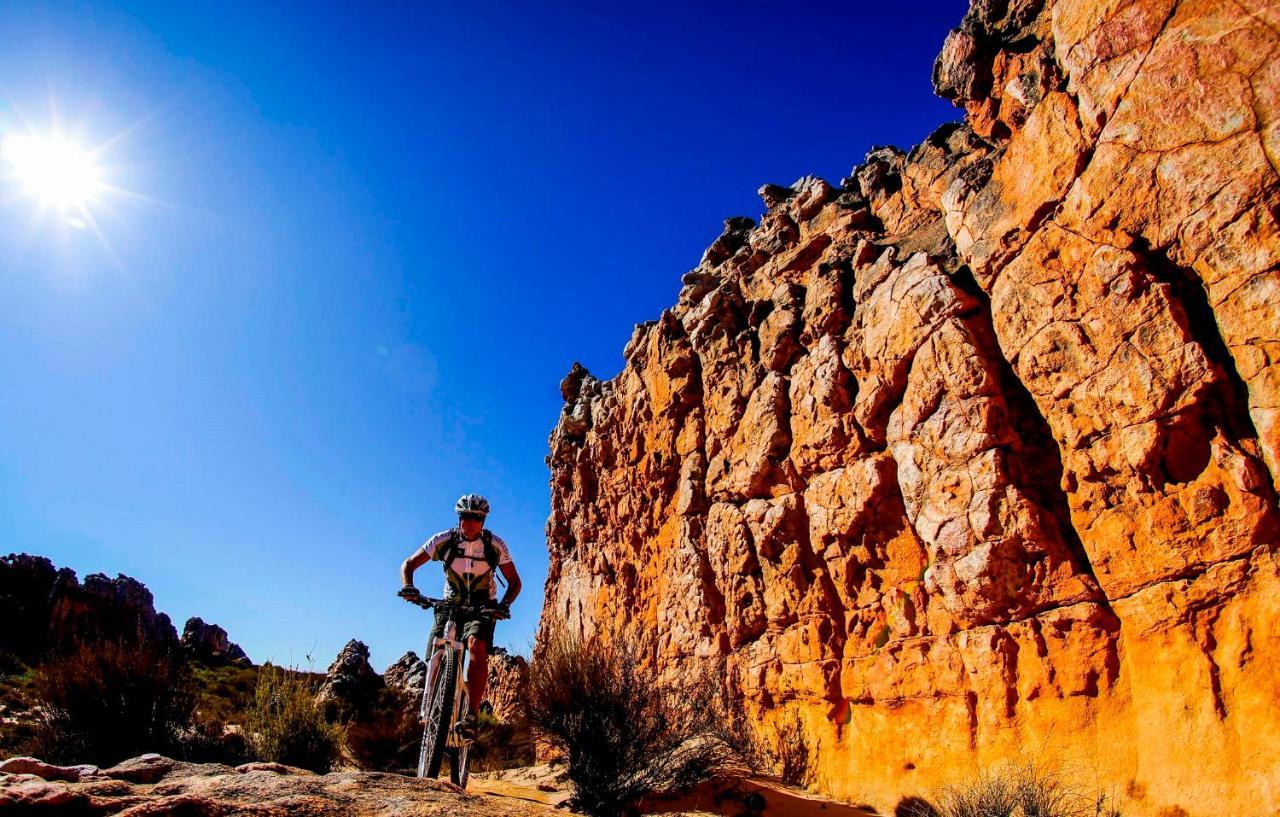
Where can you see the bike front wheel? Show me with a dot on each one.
(437, 706)
(459, 765)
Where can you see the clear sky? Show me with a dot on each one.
(360, 246)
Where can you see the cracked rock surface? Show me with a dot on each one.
(975, 456)
(156, 786)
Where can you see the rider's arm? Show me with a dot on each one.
(417, 560)
(420, 557)
(513, 582)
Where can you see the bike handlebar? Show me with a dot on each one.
(426, 603)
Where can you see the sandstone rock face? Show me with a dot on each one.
(508, 685)
(975, 456)
(209, 643)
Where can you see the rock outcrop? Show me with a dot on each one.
(508, 686)
(45, 608)
(975, 456)
(210, 644)
(408, 675)
(350, 687)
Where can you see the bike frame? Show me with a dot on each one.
(449, 640)
(437, 650)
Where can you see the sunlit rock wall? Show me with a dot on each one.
(974, 457)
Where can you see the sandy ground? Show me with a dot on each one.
(760, 796)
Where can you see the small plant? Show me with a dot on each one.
(107, 701)
(286, 725)
(621, 734)
(1014, 791)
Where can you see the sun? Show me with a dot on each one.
(52, 169)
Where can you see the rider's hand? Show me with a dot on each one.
(409, 593)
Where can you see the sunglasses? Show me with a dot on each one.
(473, 516)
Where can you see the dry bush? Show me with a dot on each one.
(781, 750)
(286, 725)
(500, 745)
(620, 734)
(107, 701)
(388, 740)
(1026, 790)
(789, 751)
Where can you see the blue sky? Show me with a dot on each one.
(360, 247)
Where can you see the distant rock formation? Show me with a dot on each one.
(350, 687)
(47, 610)
(209, 644)
(408, 675)
(975, 455)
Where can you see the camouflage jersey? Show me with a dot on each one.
(468, 575)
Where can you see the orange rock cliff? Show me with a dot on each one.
(975, 457)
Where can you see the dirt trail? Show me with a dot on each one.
(540, 784)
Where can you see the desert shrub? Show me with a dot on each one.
(500, 745)
(224, 693)
(620, 734)
(389, 739)
(106, 701)
(17, 720)
(782, 749)
(1027, 790)
(286, 725)
(789, 753)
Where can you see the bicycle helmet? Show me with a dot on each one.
(472, 503)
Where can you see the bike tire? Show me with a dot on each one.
(437, 709)
(460, 765)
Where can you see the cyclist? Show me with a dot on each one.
(471, 554)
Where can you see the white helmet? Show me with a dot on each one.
(472, 503)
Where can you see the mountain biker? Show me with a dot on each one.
(471, 553)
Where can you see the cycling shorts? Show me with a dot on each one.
(479, 627)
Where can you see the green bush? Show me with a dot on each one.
(286, 725)
(107, 701)
(620, 734)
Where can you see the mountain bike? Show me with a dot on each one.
(444, 695)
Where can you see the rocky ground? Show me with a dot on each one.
(152, 785)
(156, 786)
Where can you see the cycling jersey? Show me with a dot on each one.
(468, 574)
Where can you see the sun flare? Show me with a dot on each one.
(54, 170)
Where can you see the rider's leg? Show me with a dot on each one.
(477, 671)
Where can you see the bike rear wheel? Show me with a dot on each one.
(437, 709)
